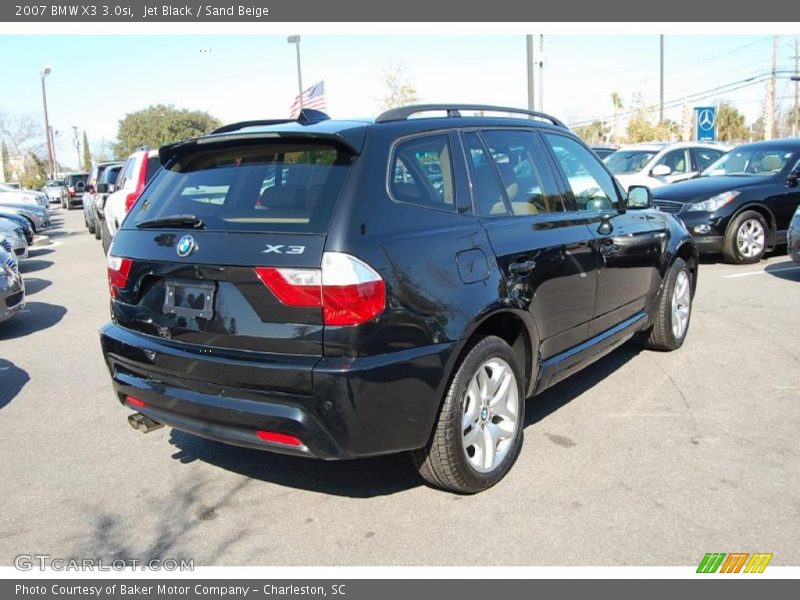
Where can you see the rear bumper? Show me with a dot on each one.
(357, 407)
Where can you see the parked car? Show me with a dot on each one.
(14, 234)
(742, 204)
(284, 286)
(12, 289)
(11, 194)
(604, 151)
(54, 190)
(657, 164)
(19, 221)
(75, 184)
(90, 194)
(135, 174)
(14, 185)
(37, 216)
(105, 187)
(793, 237)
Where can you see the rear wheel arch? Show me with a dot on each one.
(517, 331)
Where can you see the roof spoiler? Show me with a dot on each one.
(307, 116)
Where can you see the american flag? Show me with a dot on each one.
(313, 97)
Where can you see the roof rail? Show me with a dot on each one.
(453, 110)
(307, 116)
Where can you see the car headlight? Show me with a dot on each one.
(715, 202)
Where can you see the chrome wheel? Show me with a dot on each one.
(681, 304)
(490, 420)
(750, 238)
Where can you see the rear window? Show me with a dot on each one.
(110, 174)
(73, 179)
(261, 187)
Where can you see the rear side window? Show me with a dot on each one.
(153, 165)
(280, 186)
(126, 173)
(421, 172)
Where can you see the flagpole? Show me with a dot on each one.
(295, 39)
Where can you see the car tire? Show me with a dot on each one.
(471, 413)
(674, 310)
(746, 239)
(97, 230)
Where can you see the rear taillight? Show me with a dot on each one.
(349, 291)
(131, 198)
(135, 402)
(118, 271)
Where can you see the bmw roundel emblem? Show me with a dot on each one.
(186, 246)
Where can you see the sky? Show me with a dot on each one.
(96, 80)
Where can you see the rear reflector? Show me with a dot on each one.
(278, 438)
(135, 402)
(118, 270)
(349, 291)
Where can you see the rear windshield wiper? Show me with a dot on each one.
(176, 221)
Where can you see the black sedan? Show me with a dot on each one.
(741, 205)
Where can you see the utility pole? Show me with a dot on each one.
(541, 73)
(529, 47)
(77, 146)
(661, 93)
(771, 109)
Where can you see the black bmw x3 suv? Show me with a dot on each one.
(343, 289)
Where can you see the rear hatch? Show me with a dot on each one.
(223, 246)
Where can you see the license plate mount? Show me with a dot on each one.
(191, 299)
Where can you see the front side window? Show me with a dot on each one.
(422, 173)
(704, 157)
(590, 184)
(623, 162)
(528, 184)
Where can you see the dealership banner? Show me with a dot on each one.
(131, 11)
(391, 589)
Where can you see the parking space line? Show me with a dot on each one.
(761, 272)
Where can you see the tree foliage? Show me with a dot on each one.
(22, 133)
(34, 175)
(87, 154)
(730, 124)
(6, 163)
(594, 133)
(161, 124)
(398, 89)
(644, 127)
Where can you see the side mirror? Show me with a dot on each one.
(793, 178)
(660, 171)
(102, 188)
(639, 197)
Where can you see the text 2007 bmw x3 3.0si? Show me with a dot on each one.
(342, 289)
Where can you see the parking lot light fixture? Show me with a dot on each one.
(45, 72)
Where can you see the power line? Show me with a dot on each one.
(721, 89)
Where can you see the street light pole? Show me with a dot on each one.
(45, 72)
(77, 146)
(531, 97)
(295, 39)
(661, 94)
(53, 146)
(796, 79)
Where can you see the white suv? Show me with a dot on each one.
(134, 175)
(659, 163)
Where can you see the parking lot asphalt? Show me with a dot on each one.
(642, 459)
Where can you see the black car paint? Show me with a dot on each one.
(376, 388)
(774, 196)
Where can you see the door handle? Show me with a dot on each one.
(609, 247)
(522, 267)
